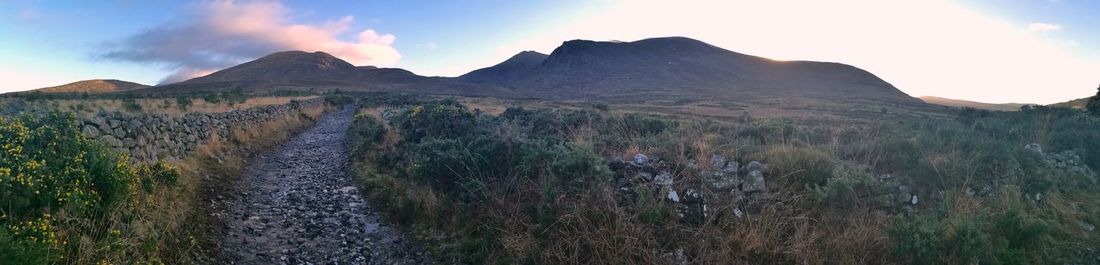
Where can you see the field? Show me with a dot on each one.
(480, 180)
(495, 181)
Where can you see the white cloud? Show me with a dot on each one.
(933, 47)
(1043, 27)
(222, 33)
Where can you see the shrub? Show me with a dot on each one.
(48, 168)
(130, 104)
(337, 99)
(800, 166)
(183, 102)
(1093, 105)
(459, 167)
(440, 120)
(368, 132)
(850, 188)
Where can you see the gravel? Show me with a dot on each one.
(299, 205)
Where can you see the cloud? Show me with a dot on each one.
(217, 34)
(1043, 27)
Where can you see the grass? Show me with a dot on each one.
(168, 106)
(510, 187)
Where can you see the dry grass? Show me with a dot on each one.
(164, 105)
(174, 220)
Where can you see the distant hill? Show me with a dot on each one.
(93, 86)
(683, 68)
(673, 68)
(1076, 103)
(298, 65)
(319, 70)
(973, 104)
(509, 70)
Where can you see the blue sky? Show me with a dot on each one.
(1040, 51)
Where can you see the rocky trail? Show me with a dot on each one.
(298, 204)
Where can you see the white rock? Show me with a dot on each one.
(664, 178)
(672, 196)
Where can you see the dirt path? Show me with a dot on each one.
(298, 205)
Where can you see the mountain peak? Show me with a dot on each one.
(319, 59)
(680, 67)
(286, 65)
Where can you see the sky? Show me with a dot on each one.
(1029, 51)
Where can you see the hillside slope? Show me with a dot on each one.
(683, 68)
(93, 86)
(1076, 103)
(319, 70)
(505, 72)
(972, 104)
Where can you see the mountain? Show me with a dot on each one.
(93, 86)
(304, 66)
(673, 68)
(972, 104)
(683, 68)
(1075, 104)
(507, 71)
(290, 70)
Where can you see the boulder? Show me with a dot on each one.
(673, 196)
(905, 195)
(639, 160)
(664, 179)
(731, 168)
(717, 161)
(1034, 147)
(754, 177)
(90, 131)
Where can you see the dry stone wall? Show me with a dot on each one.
(148, 137)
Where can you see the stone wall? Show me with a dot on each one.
(148, 137)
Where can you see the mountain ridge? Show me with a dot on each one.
(676, 68)
(680, 67)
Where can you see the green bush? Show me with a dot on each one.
(368, 132)
(183, 102)
(48, 169)
(460, 167)
(800, 166)
(337, 99)
(130, 104)
(1004, 232)
(439, 120)
(1093, 105)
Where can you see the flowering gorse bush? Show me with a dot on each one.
(49, 170)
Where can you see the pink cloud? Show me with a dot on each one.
(222, 33)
